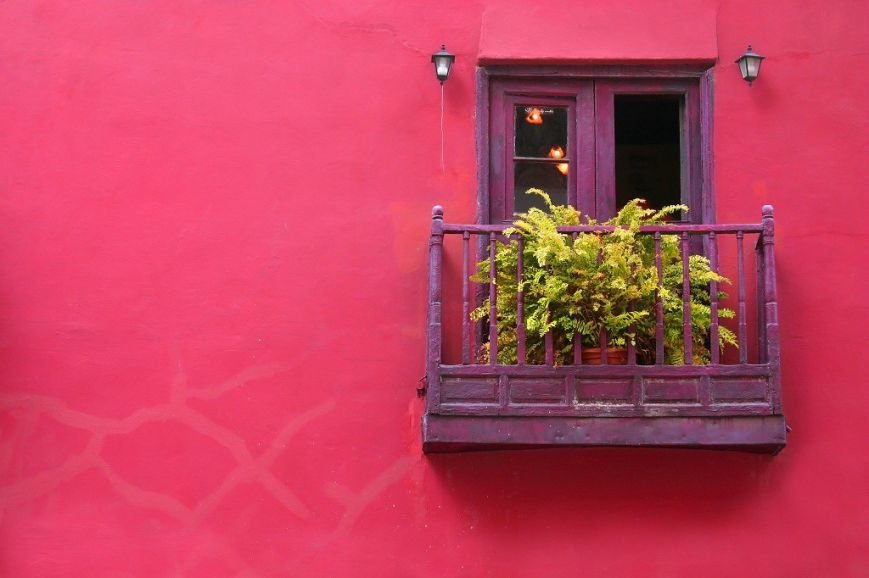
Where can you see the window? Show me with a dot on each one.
(594, 139)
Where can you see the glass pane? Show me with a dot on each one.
(540, 130)
(550, 177)
(648, 159)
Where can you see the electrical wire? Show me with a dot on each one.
(443, 165)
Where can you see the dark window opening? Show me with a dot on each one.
(648, 149)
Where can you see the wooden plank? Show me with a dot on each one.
(589, 409)
(688, 70)
(605, 147)
(605, 390)
(482, 138)
(469, 390)
(607, 370)
(585, 188)
(707, 157)
(671, 390)
(746, 433)
(739, 389)
(537, 391)
(545, 160)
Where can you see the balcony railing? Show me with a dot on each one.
(731, 402)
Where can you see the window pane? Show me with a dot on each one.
(648, 159)
(540, 130)
(551, 177)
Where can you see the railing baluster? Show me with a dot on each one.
(687, 338)
(550, 355)
(577, 338)
(602, 337)
(604, 350)
(761, 303)
(632, 350)
(714, 349)
(742, 326)
(493, 298)
(466, 300)
(577, 349)
(520, 302)
(659, 305)
(474, 334)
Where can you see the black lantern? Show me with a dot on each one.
(749, 65)
(442, 60)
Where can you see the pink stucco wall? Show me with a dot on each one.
(213, 221)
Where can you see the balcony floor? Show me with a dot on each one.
(454, 433)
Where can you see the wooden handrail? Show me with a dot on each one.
(675, 228)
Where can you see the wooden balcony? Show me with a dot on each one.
(731, 402)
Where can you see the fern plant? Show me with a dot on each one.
(587, 283)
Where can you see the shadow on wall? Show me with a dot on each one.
(597, 487)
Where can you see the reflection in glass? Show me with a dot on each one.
(546, 176)
(534, 116)
(558, 153)
(539, 129)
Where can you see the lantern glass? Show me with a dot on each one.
(443, 61)
(752, 67)
(749, 65)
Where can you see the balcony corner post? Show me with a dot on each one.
(770, 297)
(434, 335)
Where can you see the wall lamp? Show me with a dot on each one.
(443, 61)
(749, 65)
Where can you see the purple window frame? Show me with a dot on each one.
(589, 94)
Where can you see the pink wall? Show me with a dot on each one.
(212, 247)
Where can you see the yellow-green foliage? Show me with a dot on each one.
(587, 283)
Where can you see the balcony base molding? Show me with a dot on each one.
(451, 433)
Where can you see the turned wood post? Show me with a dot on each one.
(770, 298)
(435, 335)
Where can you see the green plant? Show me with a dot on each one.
(596, 281)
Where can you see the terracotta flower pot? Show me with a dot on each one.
(615, 356)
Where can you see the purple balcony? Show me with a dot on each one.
(731, 402)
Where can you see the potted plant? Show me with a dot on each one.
(594, 283)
